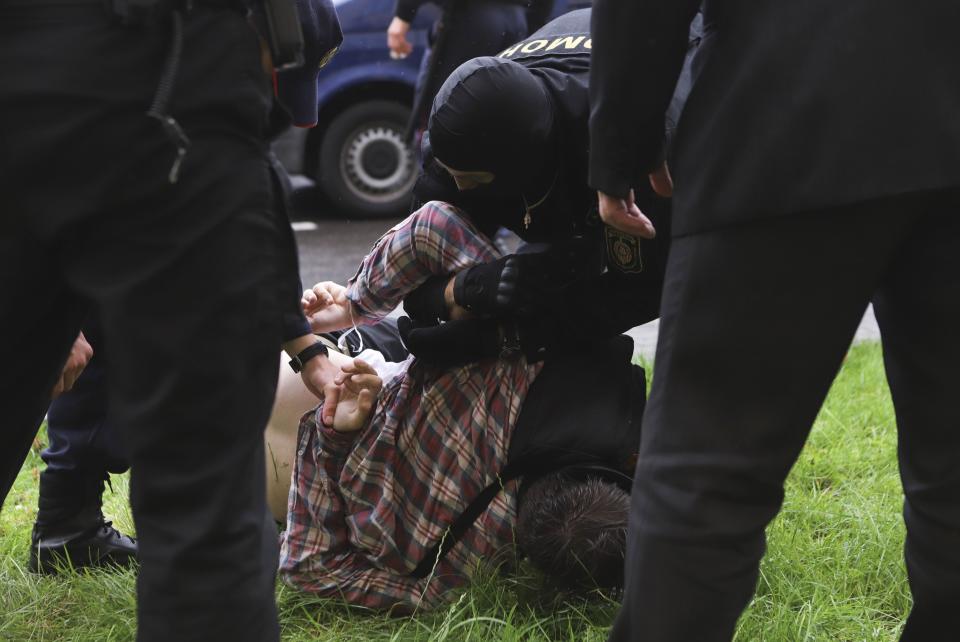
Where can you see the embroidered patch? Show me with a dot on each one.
(623, 251)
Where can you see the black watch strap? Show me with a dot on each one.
(306, 354)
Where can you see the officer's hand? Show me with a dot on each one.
(318, 374)
(327, 307)
(434, 300)
(453, 343)
(397, 41)
(624, 215)
(514, 284)
(359, 387)
(80, 354)
(662, 182)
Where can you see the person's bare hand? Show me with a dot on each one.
(80, 354)
(359, 387)
(624, 215)
(397, 41)
(319, 376)
(661, 181)
(327, 307)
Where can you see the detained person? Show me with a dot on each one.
(481, 449)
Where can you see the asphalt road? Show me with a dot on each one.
(331, 248)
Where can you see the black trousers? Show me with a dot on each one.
(81, 442)
(755, 322)
(183, 277)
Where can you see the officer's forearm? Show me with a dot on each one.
(293, 347)
(434, 300)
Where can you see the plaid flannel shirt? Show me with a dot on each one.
(365, 507)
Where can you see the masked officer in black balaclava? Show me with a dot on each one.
(507, 143)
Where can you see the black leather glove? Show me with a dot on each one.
(453, 343)
(513, 284)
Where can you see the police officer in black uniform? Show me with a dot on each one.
(84, 447)
(507, 142)
(150, 121)
(817, 170)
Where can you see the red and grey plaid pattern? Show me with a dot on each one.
(365, 507)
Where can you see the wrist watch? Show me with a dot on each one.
(306, 354)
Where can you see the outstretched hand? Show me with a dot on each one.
(397, 41)
(624, 215)
(357, 388)
(77, 360)
(327, 307)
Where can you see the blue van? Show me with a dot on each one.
(356, 154)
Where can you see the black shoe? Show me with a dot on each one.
(104, 546)
(70, 531)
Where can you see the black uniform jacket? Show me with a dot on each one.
(795, 105)
(626, 273)
(560, 55)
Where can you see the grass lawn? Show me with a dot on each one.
(833, 571)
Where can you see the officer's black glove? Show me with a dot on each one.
(427, 303)
(511, 285)
(453, 343)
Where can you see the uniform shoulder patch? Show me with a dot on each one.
(623, 251)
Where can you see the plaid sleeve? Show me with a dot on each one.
(316, 554)
(436, 239)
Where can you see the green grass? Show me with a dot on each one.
(833, 571)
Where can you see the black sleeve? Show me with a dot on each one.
(617, 303)
(293, 322)
(610, 303)
(638, 52)
(427, 303)
(407, 9)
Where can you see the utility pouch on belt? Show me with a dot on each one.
(581, 416)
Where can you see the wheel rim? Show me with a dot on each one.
(377, 165)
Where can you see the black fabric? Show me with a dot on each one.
(514, 284)
(81, 439)
(294, 323)
(470, 132)
(428, 302)
(452, 344)
(619, 300)
(796, 106)
(538, 12)
(558, 56)
(184, 279)
(69, 502)
(465, 30)
(755, 326)
(585, 406)
(407, 9)
(594, 429)
(382, 336)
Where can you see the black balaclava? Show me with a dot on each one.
(493, 115)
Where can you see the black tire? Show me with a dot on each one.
(365, 168)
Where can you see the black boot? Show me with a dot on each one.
(70, 530)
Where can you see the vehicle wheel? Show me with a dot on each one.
(365, 166)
